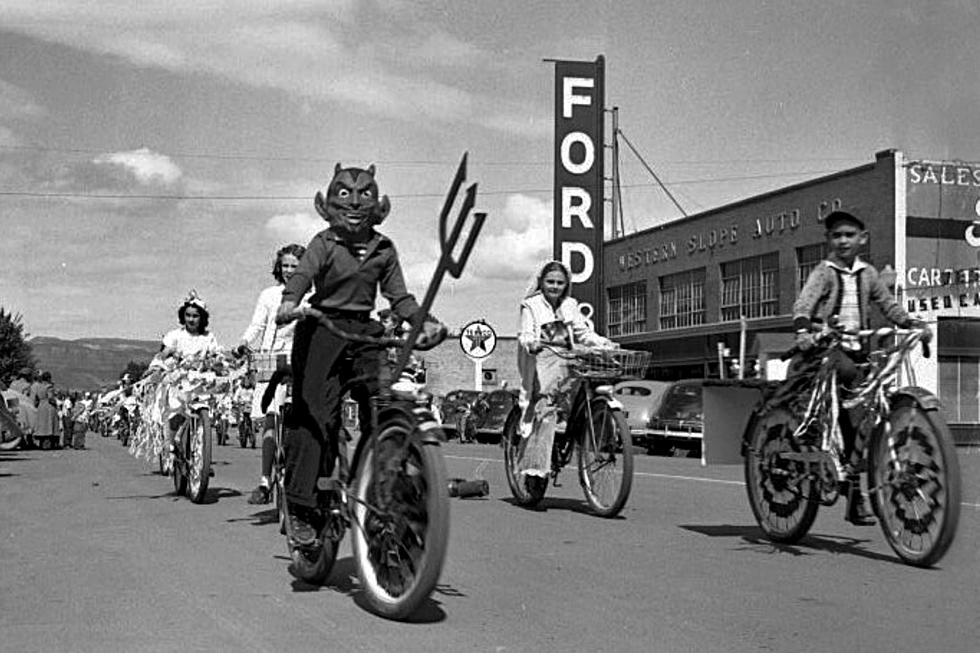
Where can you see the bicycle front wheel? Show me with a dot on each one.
(178, 460)
(605, 460)
(915, 478)
(199, 459)
(782, 492)
(401, 516)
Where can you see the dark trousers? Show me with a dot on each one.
(66, 431)
(324, 365)
(848, 376)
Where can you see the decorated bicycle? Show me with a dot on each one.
(793, 449)
(392, 493)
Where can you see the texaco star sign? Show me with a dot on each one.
(477, 339)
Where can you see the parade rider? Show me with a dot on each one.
(842, 289)
(191, 340)
(549, 315)
(347, 264)
(266, 337)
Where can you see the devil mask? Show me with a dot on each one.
(352, 205)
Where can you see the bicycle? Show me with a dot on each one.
(794, 456)
(393, 493)
(595, 426)
(190, 459)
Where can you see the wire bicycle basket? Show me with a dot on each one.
(265, 364)
(611, 363)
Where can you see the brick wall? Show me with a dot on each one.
(449, 368)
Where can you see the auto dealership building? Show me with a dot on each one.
(684, 289)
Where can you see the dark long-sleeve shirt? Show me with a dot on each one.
(343, 282)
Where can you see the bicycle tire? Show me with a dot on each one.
(399, 557)
(178, 463)
(925, 466)
(199, 458)
(529, 490)
(597, 458)
(781, 493)
(309, 564)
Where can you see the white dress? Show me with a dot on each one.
(543, 374)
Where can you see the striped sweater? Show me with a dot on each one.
(820, 297)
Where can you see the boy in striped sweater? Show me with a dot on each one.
(840, 290)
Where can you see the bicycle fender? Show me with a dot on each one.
(430, 432)
(420, 417)
(922, 397)
(613, 403)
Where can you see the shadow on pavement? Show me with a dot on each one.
(260, 518)
(343, 580)
(215, 493)
(810, 544)
(558, 503)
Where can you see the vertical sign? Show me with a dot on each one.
(579, 169)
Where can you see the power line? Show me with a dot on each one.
(258, 157)
(306, 198)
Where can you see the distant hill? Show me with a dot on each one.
(89, 363)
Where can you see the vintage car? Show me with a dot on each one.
(677, 423)
(640, 399)
(454, 407)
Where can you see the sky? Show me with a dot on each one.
(147, 148)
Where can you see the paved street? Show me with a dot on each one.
(97, 554)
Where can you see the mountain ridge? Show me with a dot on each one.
(89, 363)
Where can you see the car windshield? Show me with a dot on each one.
(682, 402)
(634, 391)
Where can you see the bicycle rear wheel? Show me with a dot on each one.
(401, 517)
(915, 479)
(605, 460)
(781, 492)
(527, 490)
(199, 456)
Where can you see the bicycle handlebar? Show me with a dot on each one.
(576, 352)
(828, 336)
(381, 341)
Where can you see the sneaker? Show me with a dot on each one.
(260, 495)
(857, 508)
(303, 534)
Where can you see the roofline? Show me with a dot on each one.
(755, 198)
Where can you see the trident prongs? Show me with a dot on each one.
(447, 263)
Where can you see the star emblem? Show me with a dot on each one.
(478, 338)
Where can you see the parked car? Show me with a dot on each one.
(455, 404)
(489, 413)
(640, 399)
(677, 423)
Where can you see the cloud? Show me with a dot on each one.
(146, 166)
(294, 227)
(339, 51)
(17, 103)
(521, 238)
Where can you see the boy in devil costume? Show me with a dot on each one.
(347, 264)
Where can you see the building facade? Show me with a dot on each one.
(700, 291)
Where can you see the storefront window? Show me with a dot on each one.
(959, 384)
(749, 287)
(682, 299)
(807, 258)
(627, 309)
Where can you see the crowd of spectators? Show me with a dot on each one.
(37, 414)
